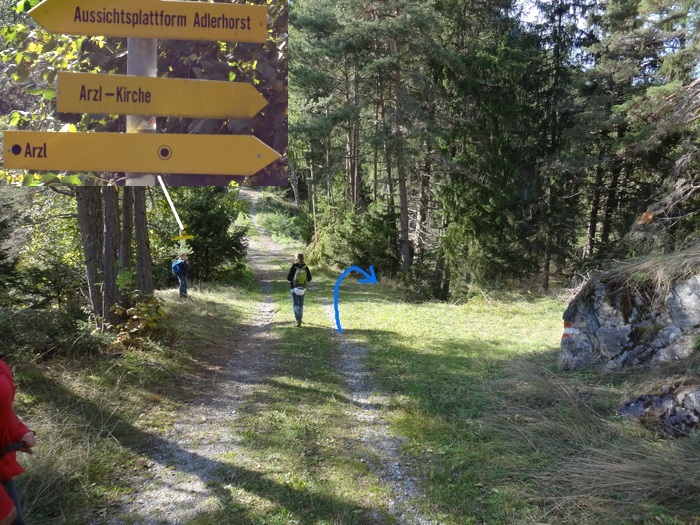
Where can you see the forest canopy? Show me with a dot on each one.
(476, 147)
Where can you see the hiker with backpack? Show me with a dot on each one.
(180, 269)
(299, 275)
(14, 437)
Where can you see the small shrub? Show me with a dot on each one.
(43, 334)
(126, 280)
(145, 319)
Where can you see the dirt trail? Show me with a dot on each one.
(379, 445)
(184, 461)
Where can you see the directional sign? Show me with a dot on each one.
(136, 152)
(154, 19)
(182, 237)
(175, 97)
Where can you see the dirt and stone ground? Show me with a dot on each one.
(175, 486)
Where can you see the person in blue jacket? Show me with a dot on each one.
(180, 269)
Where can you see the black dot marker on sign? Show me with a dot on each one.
(164, 152)
(16, 149)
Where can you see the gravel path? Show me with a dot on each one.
(183, 462)
(380, 447)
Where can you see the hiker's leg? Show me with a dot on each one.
(12, 492)
(183, 286)
(296, 302)
(301, 307)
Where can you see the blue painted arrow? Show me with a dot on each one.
(369, 278)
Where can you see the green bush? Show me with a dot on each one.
(209, 214)
(145, 319)
(360, 240)
(43, 334)
(283, 219)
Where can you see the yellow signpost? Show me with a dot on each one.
(139, 94)
(182, 237)
(154, 19)
(175, 97)
(242, 155)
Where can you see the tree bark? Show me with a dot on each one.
(422, 220)
(404, 240)
(593, 214)
(90, 226)
(610, 204)
(110, 248)
(127, 230)
(144, 266)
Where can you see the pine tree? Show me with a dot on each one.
(7, 261)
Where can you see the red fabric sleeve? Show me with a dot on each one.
(14, 425)
(11, 428)
(20, 430)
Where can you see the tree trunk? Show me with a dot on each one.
(389, 179)
(329, 177)
(357, 177)
(294, 183)
(387, 160)
(90, 225)
(349, 147)
(312, 192)
(404, 240)
(144, 266)
(422, 220)
(110, 292)
(127, 230)
(593, 214)
(403, 204)
(376, 153)
(610, 204)
(442, 276)
(546, 271)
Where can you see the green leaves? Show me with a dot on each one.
(22, 6)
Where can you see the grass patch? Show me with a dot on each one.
(502, 435)
(286, 223)
(93, 414)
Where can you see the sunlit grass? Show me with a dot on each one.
(497, 426)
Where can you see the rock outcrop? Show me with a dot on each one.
(614, 323)
(675, 410)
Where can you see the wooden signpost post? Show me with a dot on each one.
(141, 96)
